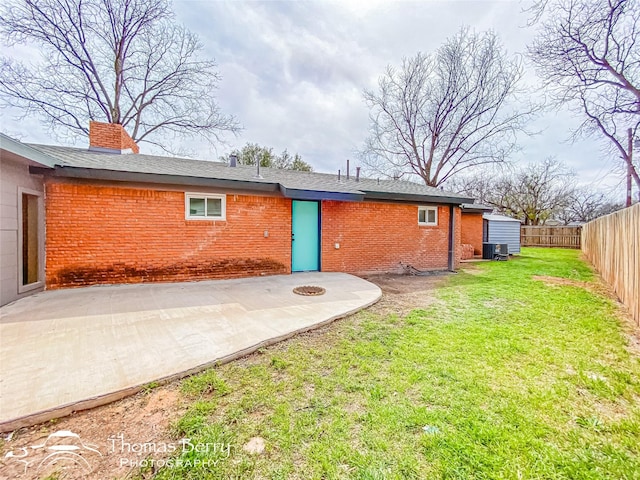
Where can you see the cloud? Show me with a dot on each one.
(293, 72)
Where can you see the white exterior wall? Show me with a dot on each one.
(15, 177)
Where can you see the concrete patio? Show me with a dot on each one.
(68, 350)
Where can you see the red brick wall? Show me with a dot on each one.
(101, 234)
(472, 231)
(110, 135)
(378, 236)
(114, 234)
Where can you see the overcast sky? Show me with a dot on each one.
(293, 73)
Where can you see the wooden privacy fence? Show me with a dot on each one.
(543, 236)
(612, 244)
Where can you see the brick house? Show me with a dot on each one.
(471, 225)
(112, 215)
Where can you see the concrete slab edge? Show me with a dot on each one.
(93, 402)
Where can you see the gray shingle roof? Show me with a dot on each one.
(290, 180)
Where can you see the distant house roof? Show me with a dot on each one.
(82, 163)
(499, 218)
(476, 207)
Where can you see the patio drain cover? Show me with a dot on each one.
(309, 290)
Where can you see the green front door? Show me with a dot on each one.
(305, 236)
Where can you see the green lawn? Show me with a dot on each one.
(512, 378)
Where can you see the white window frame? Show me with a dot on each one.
(41, 260)
(427, 209)
(188, 196)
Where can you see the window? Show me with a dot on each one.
(205, 207)
(427, 215)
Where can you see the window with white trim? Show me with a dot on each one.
(428, 216)
(205, 206)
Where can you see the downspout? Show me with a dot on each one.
(452, 230)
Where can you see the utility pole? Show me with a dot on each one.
(629, 164)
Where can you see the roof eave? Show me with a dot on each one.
(19, 149)
(300, 194)
(500, 218)
(476, 208)
(120, 176)
(416, 198)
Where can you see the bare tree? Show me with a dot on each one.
(535, 10)
(533, 194)
(118, 61)
(588, 54)
(587, 204)
(480, 186)
(443, 113)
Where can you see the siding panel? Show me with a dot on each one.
(505, 232)
(13, 176)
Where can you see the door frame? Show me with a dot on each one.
(319, 202)
(40, 240)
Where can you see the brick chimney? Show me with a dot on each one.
(110, 138)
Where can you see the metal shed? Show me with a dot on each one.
(501, 229)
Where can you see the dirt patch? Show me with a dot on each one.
(109, 439)
(595, 287)
(471, 267)
(600, 287)
(403, 293)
